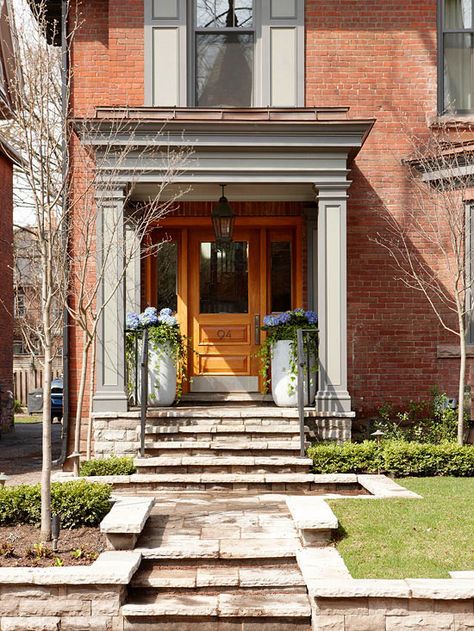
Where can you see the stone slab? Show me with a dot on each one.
(260, 605)
(442, 588)
(311, 513)
(358, 588)
(174, 605)
(382, 486)
(128, 515)
(111, 568)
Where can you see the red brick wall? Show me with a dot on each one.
(378, 58)
(6, 293)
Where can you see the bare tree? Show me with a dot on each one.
(71, 266)
(429, 245)
(90, 262)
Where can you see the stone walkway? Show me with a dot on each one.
(210, 557)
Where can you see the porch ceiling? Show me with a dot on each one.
(302, 147)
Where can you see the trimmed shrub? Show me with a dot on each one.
(398, 457)
(78, 503)
(114, 465)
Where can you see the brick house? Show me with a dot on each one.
(303, 110)
(8, 157)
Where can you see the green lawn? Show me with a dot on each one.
(26, 418)
(410, 538)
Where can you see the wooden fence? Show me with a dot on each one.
(28, 376)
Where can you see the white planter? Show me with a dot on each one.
(161, 377)
(284, 385)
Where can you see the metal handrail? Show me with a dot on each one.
(304, 371)
(143, 391)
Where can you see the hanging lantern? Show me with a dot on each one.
(223, 220)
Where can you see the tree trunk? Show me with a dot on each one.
(91, 390)
(80, 400)
(462, 380)
(47, 456)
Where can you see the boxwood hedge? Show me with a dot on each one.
(78, 503)
(115, 465)
(398, 457)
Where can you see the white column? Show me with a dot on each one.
(110, 385)
(332, 395)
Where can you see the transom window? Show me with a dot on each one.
(224, 53)
(457, 39)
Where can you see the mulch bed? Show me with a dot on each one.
(80, 546)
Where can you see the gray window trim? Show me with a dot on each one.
(440, 41)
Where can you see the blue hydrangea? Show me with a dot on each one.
(269, 320)
(166, 312)
(149, 317)
(170, 320)
(299, 312)
(312, 317)
(133, 321)
(284, 318)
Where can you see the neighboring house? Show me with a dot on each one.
(27, 357)
(8, 157)
(303, 110)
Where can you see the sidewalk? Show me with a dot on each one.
(20, 452)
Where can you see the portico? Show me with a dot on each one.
(263, 156)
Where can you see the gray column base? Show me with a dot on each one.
(333, 401)
(110, 402)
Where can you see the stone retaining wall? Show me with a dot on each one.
(392, 614)
(119, 436)
(70, 607)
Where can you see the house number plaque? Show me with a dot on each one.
(224, 333)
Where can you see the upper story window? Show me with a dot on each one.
(224, 53)
(457, 50)
(224, 44)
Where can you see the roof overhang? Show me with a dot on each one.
(310, 145)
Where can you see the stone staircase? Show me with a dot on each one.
(218, 563)
(232, 447)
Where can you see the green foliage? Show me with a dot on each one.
(77, 503)
(115, 465)
(39, 551)
(17, 407)
(80, 503)
(423, 422)
(399, 457)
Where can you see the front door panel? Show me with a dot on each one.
(225, 299)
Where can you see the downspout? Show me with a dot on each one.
(65, 227)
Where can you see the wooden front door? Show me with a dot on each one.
(225, 301)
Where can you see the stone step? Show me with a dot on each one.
(225, 411)
(223, 464)
(234, 428)
(224, 448)
(228, 549)
(217, 576)
(222, 605)
(225, 422)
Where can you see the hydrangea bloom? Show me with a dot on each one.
(170, 320)
(149, 317)
(269, 320)
(133, 321)
(166, 312)
(312, 317)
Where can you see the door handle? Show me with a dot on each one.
(256, 321)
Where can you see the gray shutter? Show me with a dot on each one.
(282, 53)
(165, 53)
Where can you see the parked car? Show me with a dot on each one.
(35, 400)
(56, 399)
